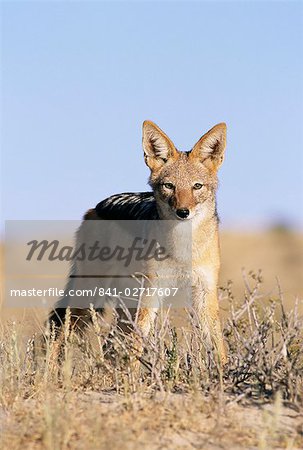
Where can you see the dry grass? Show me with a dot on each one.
(95, 398)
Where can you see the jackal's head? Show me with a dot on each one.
(184, 183)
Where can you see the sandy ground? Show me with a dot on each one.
(94, 420)
(88, 418)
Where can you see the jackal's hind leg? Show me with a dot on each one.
(64, 321)
(144, 321)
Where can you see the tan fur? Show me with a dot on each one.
(183, 171)
(182, 182)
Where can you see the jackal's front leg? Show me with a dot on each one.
(206, 306)
(213, 319)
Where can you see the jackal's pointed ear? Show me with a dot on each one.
(210, 147)
(158, 148)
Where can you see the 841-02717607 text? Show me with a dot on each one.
(97, 291)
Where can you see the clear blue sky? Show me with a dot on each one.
(79, 78)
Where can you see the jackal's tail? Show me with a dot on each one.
(56, 317)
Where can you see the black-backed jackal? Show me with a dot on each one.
(184, 188)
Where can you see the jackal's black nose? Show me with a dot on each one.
(182, 213)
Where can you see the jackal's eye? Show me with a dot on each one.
(198, 186)
(168, 185)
